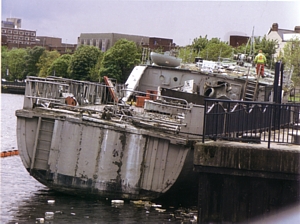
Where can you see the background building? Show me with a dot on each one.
(236, 40)
(18, 36)
(11, 23)
(282, 36)
(104, 41)
(12, 36)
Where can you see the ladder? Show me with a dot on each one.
(250, 90)
(42, 144)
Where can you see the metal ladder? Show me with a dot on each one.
(42, 144)
(250, 90)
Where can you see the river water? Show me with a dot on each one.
(25, 200)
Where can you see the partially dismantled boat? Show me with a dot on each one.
(74, 137)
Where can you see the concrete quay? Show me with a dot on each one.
(240, 182)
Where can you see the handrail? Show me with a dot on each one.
(251, 121)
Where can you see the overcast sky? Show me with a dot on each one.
(179, 20)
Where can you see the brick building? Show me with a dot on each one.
(104, 41)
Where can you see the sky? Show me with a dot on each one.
(182, 21)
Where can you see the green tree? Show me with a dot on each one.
(16, 63)
(94, 75)
(31, 59)
(199, 44)
(216, 49)
(119, 60)
(83, 62)
(292, 59)
(45, 62)
(187, 54)
(4, 62)
(60, 66)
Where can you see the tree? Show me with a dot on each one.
(16, 63)
(187, 54)
(31, 59)
(94, 75)
(45, 62)
(216, 49)
(119, 60)
(292, 59)
(60, 66)
(199, 43)
(83, 61)
(4, 62)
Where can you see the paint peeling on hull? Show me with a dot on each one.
(88, 159)
(77, 186)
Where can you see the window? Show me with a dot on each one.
(21, 37)
(21, 32)
(9, 36)
(26, 38)
(3, 30)
(20, 42)
(27, 33)
(33, 34)
(32, 39)
(9, 31)
(15, 32)
(15, 37)
(15, 41)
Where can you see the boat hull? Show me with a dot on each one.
(88, 158)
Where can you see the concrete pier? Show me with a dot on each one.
(239, 182)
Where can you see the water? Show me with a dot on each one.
(25, 200)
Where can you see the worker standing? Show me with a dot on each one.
(260, 61)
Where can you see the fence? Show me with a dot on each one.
(57, 89)
(295, 95)
(251, 121)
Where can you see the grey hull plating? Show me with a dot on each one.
(89, 158)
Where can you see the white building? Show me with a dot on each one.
(282, 36)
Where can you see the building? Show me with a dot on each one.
(18, 36)
(11, 23)
(282, 36)
(104, 41)
(55, 43)
(235, 40)
(12, 36)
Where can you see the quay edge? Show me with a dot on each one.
(239, 182)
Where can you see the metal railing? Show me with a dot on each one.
(57, 89)
(251, 121)
(295, 95)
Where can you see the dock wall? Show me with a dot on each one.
(239, 182)
(13, 87)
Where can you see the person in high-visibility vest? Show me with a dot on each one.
(260, 61)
